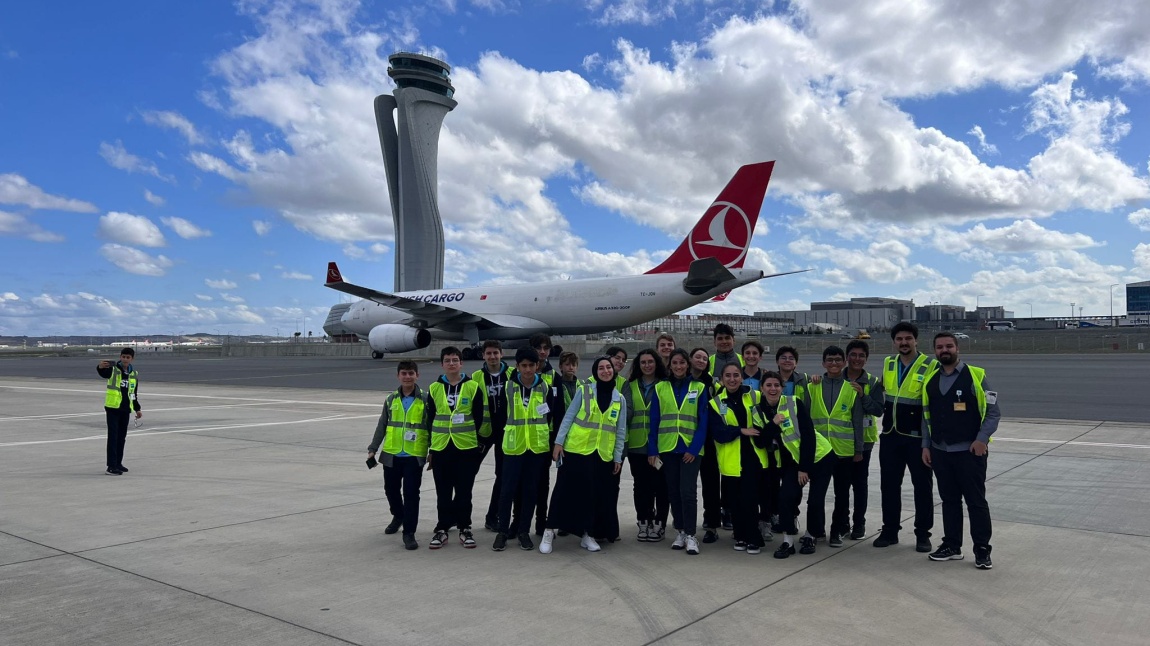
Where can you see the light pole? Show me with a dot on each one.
(976, 297)
(1031, 309)
(1113, 323)
(1072, 310)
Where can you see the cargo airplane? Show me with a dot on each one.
(706, 266)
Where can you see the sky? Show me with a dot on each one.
(170, 168)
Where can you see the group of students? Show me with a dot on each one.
(755, 438)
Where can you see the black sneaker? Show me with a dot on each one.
(726, 520)
(740, 546)
(409, 542)
(858, 532)
(394, 525)
(982, 558)
(784, 551)
(112, 472)
(922, 545)
(525, 542)
(885, 541)
(808, 545)
(835, 540)
(438, 540)
(466, 538)
(122, 468)
(500, 543)
(946, 553)
(710, 536)
(491, 526)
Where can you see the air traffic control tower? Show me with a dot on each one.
(409, 121)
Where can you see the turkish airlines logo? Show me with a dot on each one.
(333, 275)
(724, 234)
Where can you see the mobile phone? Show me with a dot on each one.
(658, 463)
(371, 462)
(559, 462)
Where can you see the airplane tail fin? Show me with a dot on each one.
(724, 232)
(719, 299)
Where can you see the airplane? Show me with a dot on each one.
(706, 266)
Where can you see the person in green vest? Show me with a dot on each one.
(120, 401)
(541, 343)
(806, 458)
(794, 385)
(838, 416)
(403, 432)
(675, 441)
(704, 369)
(492, 379)
(455, 407)
(589, 454)
(531, 406)
(569, 375)
(664, 344)
(869, 389)
(651, 503)
(606, 527)
(618, 358)
(700, 360)
(737, 425)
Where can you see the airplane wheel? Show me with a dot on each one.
(468, 354)
(556, 350)
(376, 355)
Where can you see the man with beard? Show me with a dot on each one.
(960, 415)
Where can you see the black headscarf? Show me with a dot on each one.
(603, 389)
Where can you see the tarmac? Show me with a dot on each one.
(249, 517)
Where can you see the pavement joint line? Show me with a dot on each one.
(271, 400)
(150, 411)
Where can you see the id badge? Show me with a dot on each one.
(542, 409)
(410, 436)
(868, 422)
(692, 395)
(960, 407)
(457, 418)
(722, 409)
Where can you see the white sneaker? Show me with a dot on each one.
(692, 545)
(655, 532)
(680, 541)
(588, 543)
(545, 544)
(765, 530)
(643, 533)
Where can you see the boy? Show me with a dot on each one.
(119, 402)
(569, 378)
(838, 416)
(541, 343)
(455, 408)
(870, 391)
(403, 431)
(492, 379)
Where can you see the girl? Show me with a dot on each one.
(651, 504)
(737, 427)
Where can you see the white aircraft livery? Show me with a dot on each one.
(706, 266)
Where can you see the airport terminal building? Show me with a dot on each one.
(868, 313)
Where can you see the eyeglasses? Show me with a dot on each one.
(833, 360)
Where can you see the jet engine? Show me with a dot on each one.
(397, 338)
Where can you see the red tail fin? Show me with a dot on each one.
(720, 298)
(333, 275)
(724, 232)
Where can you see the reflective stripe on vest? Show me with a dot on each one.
(870, 422)
(114, 396)
(677, 421)
(835, 425)
(454, 424)
(976, 375)
(909, 393)
(526, 427)
(638, 409)
(592, 428)
(402, 422)
(729, 454)
(791, 437)
(480, 377)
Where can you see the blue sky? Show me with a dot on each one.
(192, 167)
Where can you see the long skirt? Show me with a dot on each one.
(606, 522)
(574, 498)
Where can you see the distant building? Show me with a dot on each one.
(1138, 303)
(869, 313)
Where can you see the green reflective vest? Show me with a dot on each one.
(454, 423)
(791, 436)
(870, 422)
(677, 421)
(835, 425)
(480, 377)
(406, 429)
(729, 454)
(910, 392)
(527, 428)
(638, 409)
(114, 396)
(593, 428)
(711, 364)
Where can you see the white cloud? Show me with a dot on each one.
(1140, 219)
(15, 189)
(372, 253)
(296, 275)
(261, 227)
(213, 164)
(204, 297)
(9, 296)
(118, 157)
(174, 121)
(135, 261)
(19, 226)
(1141, 256)
(985, 147)
(1019, 237)
(184, 228)
(130, 229)
(153, 199)
(230, 298)
(254, 276)
(220, 284)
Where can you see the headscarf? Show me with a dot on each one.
(603, 389)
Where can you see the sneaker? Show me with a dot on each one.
(784, 551)
(589, 544)
(946, 553)
(466, 539)
(858, 532)
(982, 558)
(122, 468)
(835, 540)
(808, 545)
(545, 544)
(679, 543)
(394, 525)
(776, 524)
(885, 541)
(656, 532)
(500, 543)
(753, 549)
(922, 545)
(491, 526)
(525, 542)
(710, 536)
(644, 535)
(740, 546)
(438, 540)
(726, 522)
(765, 530)
(112, 472)
(409, 542)
(692, 545)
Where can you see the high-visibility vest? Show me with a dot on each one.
(480, 377)
(909, 393)
(836, 425)
(729, 454)
(527, 428)
(404, 424)
(638, 409)
(677, 421)
(593, 428)
(976, 375)
(791, 436)
(454, 423)
(114, 396)
(870, 422)
(711, 365)
(801, 382)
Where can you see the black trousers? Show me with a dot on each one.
(117, 434)
(769, 491)
(651, 503)
(401, 482)
(962, 476)
(896, 454)
(542, 494)
(493, 445)
(519, 488)
(820, 481)
(843, 477)
(743, 494)
(453, 470)
(712, 487)
(859, 483)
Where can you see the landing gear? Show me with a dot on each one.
(376, 355)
